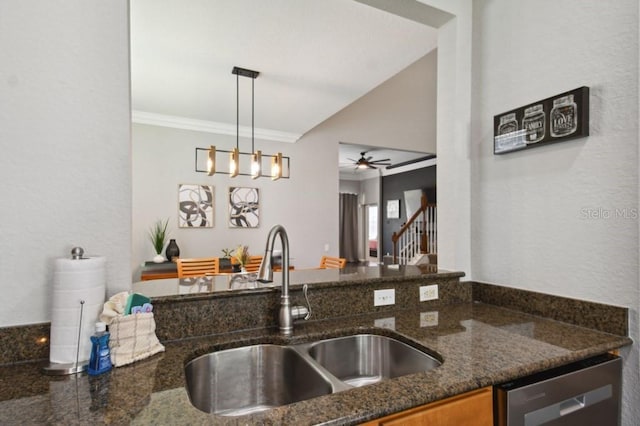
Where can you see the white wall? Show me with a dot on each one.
(370, 189)
(349, 186)
(399, 113)
(454, 116)
(539, 217)
(64, 132)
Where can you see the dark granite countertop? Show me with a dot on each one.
(222, 285)
(480, 345)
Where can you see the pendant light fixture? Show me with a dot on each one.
(235, 154)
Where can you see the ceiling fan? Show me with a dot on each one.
(368, 162)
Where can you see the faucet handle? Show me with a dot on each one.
(305, 288)
(302, 312)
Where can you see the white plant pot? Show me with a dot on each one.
(159, 258)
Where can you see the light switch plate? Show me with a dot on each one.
(384, 297)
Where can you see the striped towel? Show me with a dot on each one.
(133, 337)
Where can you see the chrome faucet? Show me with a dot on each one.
(288, 313)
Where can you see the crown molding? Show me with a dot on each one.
(175, 122)
(409, 167)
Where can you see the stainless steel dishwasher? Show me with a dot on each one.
(584, 393)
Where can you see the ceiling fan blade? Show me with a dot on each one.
(371, 167)
(382, 159)
(369, 158)
(351, 159)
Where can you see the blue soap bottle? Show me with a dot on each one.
(100, 359)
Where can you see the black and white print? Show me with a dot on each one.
(195, 206)
(244, 207)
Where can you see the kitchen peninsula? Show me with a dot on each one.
(479, 331)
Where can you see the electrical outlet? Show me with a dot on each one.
(428, 319)
(428, 292)
(388, 323)
(384, 297)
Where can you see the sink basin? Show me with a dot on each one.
(363, 359)
(249, 379)
(252, 378)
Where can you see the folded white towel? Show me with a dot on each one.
(114, 306)
(133, 337)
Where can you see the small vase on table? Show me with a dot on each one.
(173, 251)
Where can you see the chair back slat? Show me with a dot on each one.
(253, 265)
(332, 262)
(198, 267)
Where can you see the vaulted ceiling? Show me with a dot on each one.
(314, 58)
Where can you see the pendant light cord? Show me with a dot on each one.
(252, 113)
(238, 111)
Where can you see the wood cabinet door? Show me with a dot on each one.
(473, 408)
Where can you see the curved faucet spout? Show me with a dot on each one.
(265, 274)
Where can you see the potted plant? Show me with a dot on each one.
(158, 235)
(242, 256)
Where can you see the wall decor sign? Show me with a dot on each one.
(244, 207)
(555, 119)
(393, 209)
(195, 206)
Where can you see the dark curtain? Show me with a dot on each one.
(349, 227)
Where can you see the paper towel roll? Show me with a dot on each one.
(75, 280)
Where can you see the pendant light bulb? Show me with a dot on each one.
(256, 164)
(234, 163)
(211, 161)
(276, 166)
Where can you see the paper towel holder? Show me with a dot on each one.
(64, 369)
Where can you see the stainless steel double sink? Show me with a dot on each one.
(254, 378)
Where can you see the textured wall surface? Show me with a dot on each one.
(399, 113)
(454, 115)
(64, 132)
(560, 219)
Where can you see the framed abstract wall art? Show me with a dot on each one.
(195, 206)
(244, 207)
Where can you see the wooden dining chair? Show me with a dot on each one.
(253, 265)
(198, 267)
(328, 262)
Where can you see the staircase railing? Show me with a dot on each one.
(418, 235)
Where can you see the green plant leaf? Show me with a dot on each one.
(158, 235)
